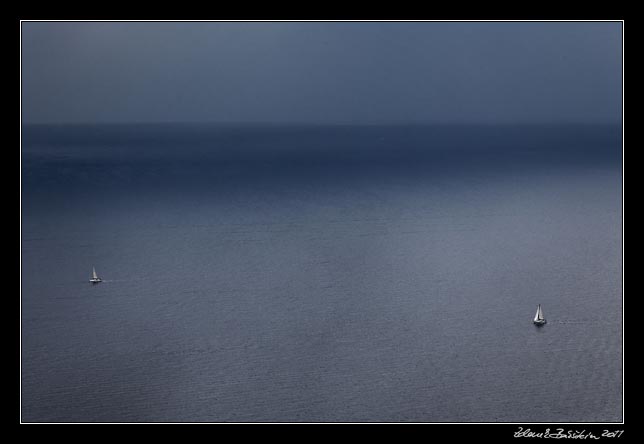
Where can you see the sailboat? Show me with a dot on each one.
(95, 279)
(538, 318)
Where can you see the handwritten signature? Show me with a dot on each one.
(565, 434)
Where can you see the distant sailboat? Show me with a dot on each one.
(538, 318)
(95, 279)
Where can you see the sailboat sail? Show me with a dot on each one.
(539, 316)
(94, 276)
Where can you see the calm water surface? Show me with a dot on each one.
(321, 274)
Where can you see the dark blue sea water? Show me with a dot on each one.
(274, 273)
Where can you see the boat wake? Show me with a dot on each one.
(583, 321)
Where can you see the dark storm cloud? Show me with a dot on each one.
(321, 72)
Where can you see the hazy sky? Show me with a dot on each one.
(322, 72)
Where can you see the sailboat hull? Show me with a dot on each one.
(539, 322)
(95, 281)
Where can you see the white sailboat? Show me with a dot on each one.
(95, 279)
(538, 318)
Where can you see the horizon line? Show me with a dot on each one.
(311, 123)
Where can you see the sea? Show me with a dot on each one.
(321, 273)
